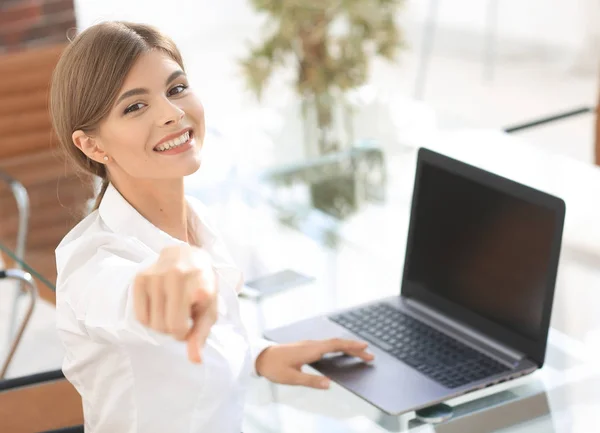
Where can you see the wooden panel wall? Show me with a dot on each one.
(32, 23)
(28, 153)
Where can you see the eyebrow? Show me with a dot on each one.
(142, 91)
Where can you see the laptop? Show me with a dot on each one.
(476, 294)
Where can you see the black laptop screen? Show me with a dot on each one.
(483, 249)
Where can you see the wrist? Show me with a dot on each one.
(261, 360)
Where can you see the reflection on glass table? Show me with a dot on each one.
(10, 253)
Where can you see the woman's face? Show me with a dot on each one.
(156, 128)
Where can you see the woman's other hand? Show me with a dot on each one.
(178, 296)
(283, 363)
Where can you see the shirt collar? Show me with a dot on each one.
(122, 218)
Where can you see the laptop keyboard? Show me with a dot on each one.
(436, 355)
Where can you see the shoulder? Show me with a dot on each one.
(91, 246)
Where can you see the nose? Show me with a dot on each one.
(171, 114)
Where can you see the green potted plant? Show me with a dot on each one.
(329, 45)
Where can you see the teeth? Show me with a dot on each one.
(175, 142)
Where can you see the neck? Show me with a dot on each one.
(162, 202)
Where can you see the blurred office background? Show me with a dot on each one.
(335, 215)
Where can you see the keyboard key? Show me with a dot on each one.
(376, 341)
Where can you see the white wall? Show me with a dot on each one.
(561, 23)
(565, 24)
(177, 18)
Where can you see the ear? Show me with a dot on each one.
(88, 145)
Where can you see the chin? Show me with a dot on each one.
(192, 167)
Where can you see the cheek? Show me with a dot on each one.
(195, 111)
(129, 140)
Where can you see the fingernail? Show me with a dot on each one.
(324, 383)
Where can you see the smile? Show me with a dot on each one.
(175, 142)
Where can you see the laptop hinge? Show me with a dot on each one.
(465, 333)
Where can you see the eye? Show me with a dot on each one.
(177, 89)
(134, 107)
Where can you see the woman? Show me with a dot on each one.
(146, 294)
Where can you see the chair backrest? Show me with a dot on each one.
(39, 406)
(30, 288)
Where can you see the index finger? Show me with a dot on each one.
(343, 345)
(203, 322)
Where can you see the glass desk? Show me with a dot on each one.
(360, 258)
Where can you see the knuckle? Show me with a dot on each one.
(170, 271)
(170, 250)
(183, 271)
(139, 280)
(156, 290)
(191, 274)
(180, 269)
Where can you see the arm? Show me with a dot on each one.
(117, 297)
(98, 290)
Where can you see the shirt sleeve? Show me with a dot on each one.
(257, 346)
(99, 292)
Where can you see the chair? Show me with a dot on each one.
(30, 404)
(22, 199)
(30, 287)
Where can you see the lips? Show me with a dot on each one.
(173, 140)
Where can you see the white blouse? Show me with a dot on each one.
(132, 379)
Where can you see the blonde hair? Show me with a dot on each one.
(88, 77)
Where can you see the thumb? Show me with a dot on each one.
(308, 380)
